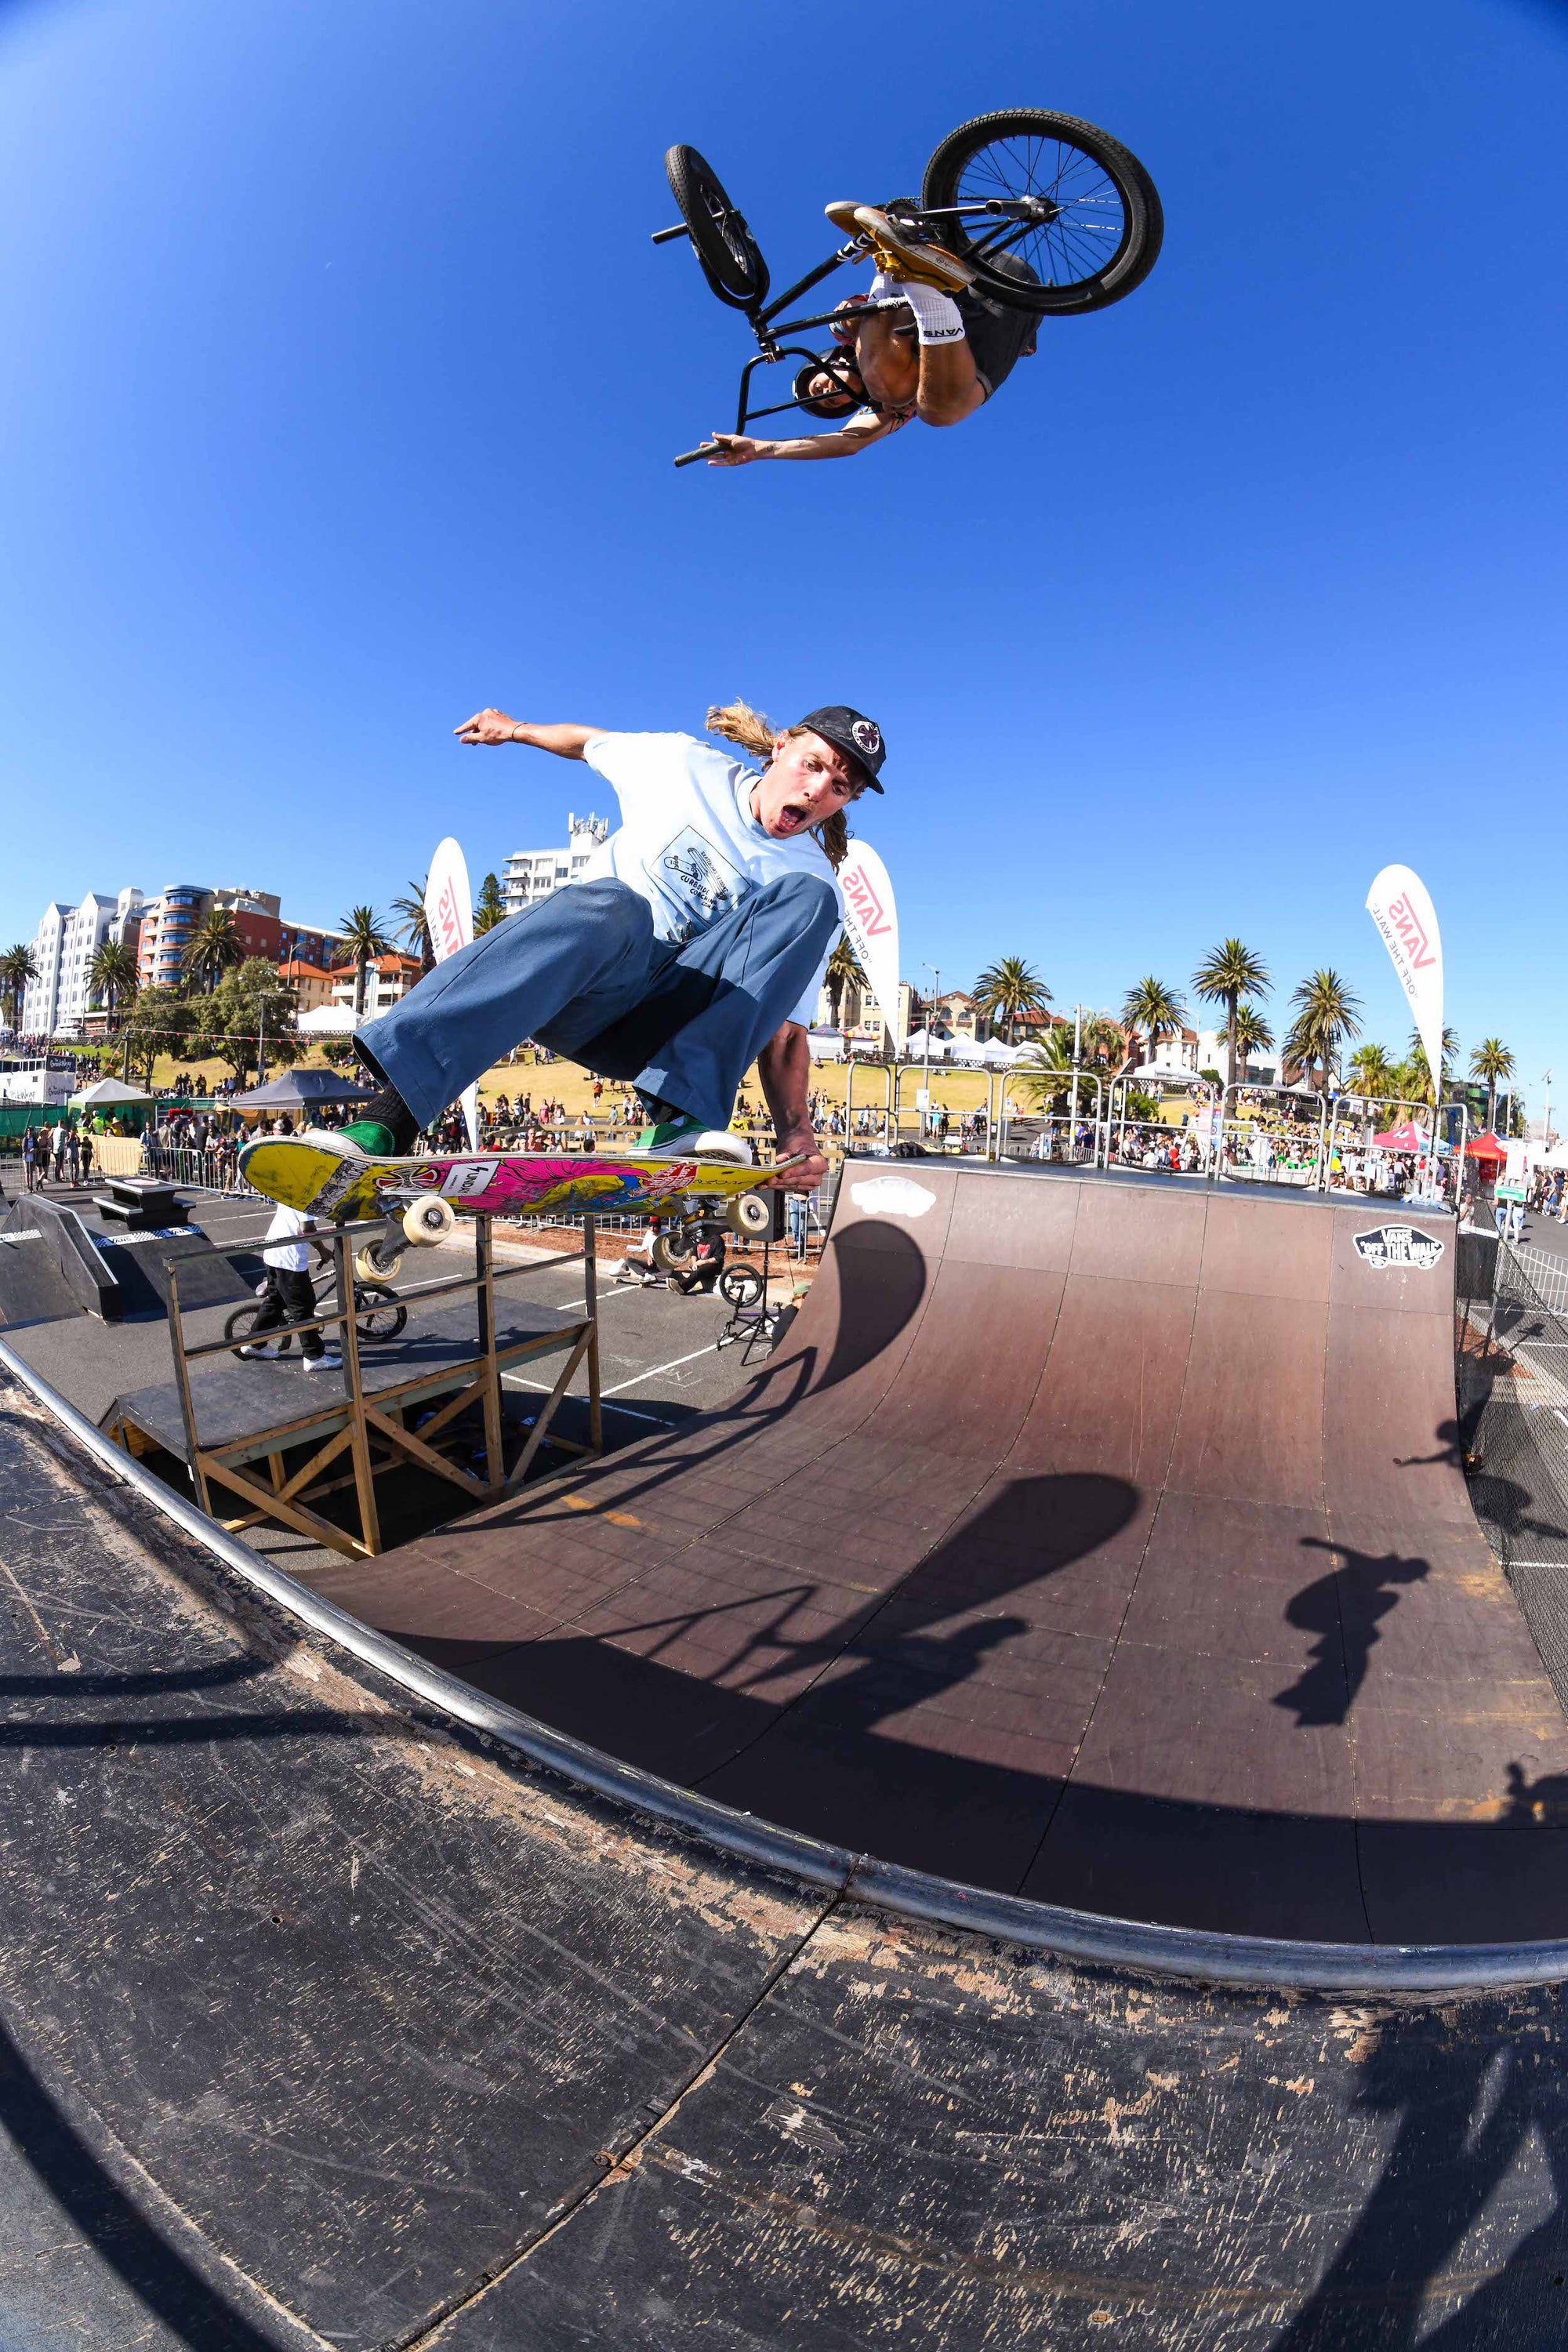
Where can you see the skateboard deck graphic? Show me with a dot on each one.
(302, 1175)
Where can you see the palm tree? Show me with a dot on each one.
(213, 949)
(1227, 974)
(18, 965)
(1414, 1074)
(1151, 1008)
(1327, 1018)
(113, 974)
(415, 927)
(1492, 1060)
(1011, 988)
(1251, 1034)
(1045, 1073)
(1373, 1074)
(491, 907)
(843, 971)
(364, 940)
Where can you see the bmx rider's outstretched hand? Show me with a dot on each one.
(734, 450)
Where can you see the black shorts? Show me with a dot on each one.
(998, 337)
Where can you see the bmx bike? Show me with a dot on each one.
(379, 1313)
(1023, 184)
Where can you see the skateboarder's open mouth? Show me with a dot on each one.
(792, 817)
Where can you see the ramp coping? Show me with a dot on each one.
(1079, 1936)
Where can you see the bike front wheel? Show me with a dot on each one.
(1052, 192)
(729, 252)
(379, 1313)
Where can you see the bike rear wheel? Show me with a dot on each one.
(729, 254)
(1051, 191)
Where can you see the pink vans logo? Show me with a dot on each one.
(867, 906)
(1411, 933)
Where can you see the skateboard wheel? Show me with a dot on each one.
(673, 1252)
(750, 1213)
(377, 1261)
(428, 1220)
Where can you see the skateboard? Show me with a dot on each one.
(422, 1198)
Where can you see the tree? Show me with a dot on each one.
(214, 948)
(491, 909)
(1251, 1033)
(113, 974)
(1373, 1074)
(843, 971)
(248, 1016)
(1044, 1075)
(1151, 1009)
(159, 1020)
(415, 928)
(1227, 974)
(363, 941)
(1414, 1076)
(1329, 1016)
(1010, 988)
(18, 965)
(1492, 1060)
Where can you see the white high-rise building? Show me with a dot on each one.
(64, 946)
(533, 873)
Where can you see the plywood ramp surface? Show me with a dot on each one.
(1101, 1539)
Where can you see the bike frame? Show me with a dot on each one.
(766, 323)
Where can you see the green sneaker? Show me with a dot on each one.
(377, 1141)
(686, 1138)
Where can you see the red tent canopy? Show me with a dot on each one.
(1406, 1137)
(1485, 1147)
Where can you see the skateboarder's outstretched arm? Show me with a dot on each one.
(490, 726)
(783, 1066)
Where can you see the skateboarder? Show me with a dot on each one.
(694, 943)
(918, 344)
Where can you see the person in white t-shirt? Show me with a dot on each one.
(695, 942)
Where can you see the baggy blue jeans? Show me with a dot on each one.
(584, 973)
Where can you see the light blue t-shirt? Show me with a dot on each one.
(688, 842)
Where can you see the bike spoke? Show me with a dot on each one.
(1090, 223)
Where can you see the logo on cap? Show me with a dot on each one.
(868, 737)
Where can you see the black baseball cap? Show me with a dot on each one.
(851, 732)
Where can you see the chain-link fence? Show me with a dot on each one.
(1514, 1400)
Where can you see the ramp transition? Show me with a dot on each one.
(1098, 1540)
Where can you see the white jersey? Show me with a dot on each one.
(293, 1257)
(688, 842)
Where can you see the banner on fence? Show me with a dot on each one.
(1399, 905)
(449, 912)
(872, 921)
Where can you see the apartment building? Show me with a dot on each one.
(59, 1000)
(532, 874)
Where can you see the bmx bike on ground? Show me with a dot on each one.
(379, 1314)
(1023, 185)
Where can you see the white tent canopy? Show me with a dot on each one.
(328, 1021)
(921, 1043)
(107, 1092)
(1172, 1073)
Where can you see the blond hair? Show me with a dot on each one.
(739, 723)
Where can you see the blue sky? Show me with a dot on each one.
(341, 382)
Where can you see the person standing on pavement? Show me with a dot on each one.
(291, 1296)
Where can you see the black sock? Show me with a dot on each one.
(387, 1107)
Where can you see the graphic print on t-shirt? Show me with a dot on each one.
(691, 871)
